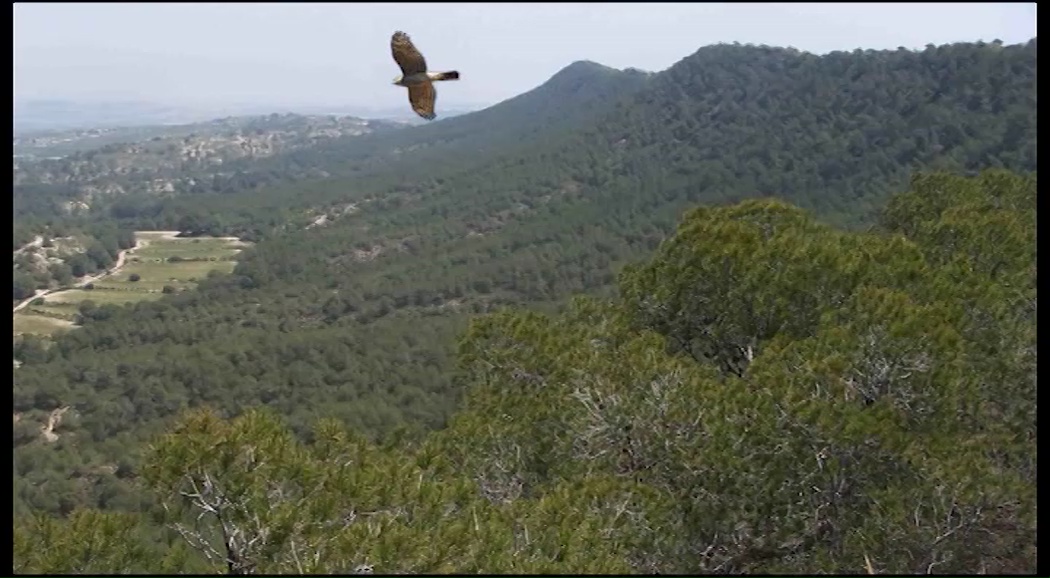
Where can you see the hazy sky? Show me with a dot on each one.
(300, 53)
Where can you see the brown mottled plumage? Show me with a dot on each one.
(414, 75)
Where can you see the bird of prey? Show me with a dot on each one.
(414, 75)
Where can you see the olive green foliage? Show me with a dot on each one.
(94, 542)
(538, 198)
(766, 395)
(890, 414)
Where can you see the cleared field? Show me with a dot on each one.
(154, 275)
(186, 249)
(75, 296)
(153, 270)
(55, 309)
(39, 324)
(155, 235)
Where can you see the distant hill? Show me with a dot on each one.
(57, 170)
(33, 115)
(57, 115)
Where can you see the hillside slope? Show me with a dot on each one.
(829, 132)
(355, 319)
(770, 395)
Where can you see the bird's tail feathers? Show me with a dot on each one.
(452, 75)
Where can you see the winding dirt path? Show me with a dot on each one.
(84, 280)
(140, 242)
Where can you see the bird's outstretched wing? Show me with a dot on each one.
(422, 97)
(406, 54)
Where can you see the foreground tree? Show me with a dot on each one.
(249, 498)
(830, 400)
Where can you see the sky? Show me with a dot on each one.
(339, 53)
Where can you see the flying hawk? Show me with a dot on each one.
(414, 75)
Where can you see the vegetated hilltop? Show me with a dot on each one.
(768, 395)
(354, 317)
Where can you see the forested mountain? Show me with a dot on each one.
(768, 395)
(525, 204)
(835, 133)
(726, 122)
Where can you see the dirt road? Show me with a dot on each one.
(84, 280)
